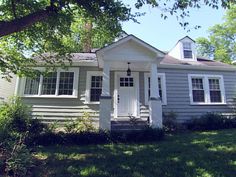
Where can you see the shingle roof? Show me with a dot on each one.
(200, 62)
(80, 57)
(75, 57)
(167, 60)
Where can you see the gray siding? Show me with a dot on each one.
(61, 109)
(177, 97)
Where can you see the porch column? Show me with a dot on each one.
(155, 107)
(105, 100)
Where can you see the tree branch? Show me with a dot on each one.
(16, 25)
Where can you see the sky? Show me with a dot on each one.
(163, 34)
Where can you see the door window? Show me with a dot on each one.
(126, 81)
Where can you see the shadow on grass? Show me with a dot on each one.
(184, 155)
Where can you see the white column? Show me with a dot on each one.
(155, 105)
(105, 100)
(106, 80)
(154, 92)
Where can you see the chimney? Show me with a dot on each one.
(87, 43)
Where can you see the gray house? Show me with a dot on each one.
(132, 78)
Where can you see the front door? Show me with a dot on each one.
(126, 95)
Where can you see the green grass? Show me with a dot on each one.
(200, 154)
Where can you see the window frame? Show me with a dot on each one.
(206, 88)
(163, 88)
(191, 49)
(88, 86)
(56, 95)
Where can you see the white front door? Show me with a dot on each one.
(127, 95)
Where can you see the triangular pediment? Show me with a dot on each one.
(129, 49)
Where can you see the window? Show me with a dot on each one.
(198, 90)
(161, 87)
(49, 84)
(206, 89)
(126, 82)
(93, 87)
(66, 83)
(187, 50)
(59, 84)
(215, 93)
(32, 86)
(96, 88)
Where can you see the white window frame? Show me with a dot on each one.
(163, 87)
(88, 86)
(205, 78)
(191, 49)
(75, 85)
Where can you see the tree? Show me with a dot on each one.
(33, 27)
(221, 43)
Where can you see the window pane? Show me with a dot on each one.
(187, 46)
(188, 54)
(66, 83)
(215, 92)
(198, 96)
(126, 82)
(197, 83)
(49, 84)
(32, 86)
(96, 88)
(197, 90)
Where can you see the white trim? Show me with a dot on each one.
(116, 85)
(39, 95)
(163, 87)
(88, 86)
(206, 78)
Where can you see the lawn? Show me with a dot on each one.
(200, 154)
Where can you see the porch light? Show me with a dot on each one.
(128, 70)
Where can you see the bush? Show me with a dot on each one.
(99, 137)
(81, 124)
(19, 160)
(211, 121)
(16, 127)
(169, 121)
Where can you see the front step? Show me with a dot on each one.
(126, 125)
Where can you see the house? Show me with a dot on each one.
(130, 78)
(7, 88)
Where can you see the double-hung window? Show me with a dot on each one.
(54, 84)
(93, 87)
(187, 50)
(206, 89)
(161, 87)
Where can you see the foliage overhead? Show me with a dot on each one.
(221, 43)
(33, 27)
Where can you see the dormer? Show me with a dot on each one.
(185, 49)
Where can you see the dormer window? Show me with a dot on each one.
(187, 49)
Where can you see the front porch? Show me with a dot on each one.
(124, 102)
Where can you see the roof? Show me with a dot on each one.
(75, 57)
(200, 62)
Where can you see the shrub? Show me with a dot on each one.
(169, 121)
(19, 160)
(17, 127)
(211, 121)
(99, 137)
(81, 124)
